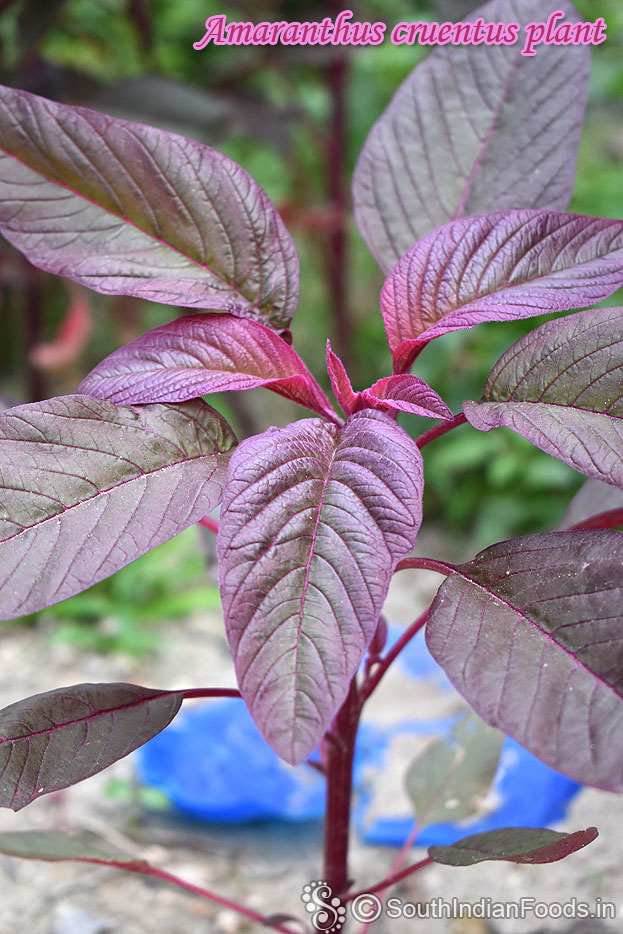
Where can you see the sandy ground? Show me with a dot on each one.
(266, 865)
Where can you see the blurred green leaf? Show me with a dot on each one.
(450, 778)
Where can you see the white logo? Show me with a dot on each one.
(326, 910)
(366, 908)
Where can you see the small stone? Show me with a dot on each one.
(229, 922)
(69, 919)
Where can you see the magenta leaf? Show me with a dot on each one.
(407, 394)
(200, 354)
(340, 383)
(560, 387)
(498, 267)
(403, 393)
(53, 740)
(530, 633)
(128, 209)
(531, 845)
(314, 520)
(87, 487)
(474, 128)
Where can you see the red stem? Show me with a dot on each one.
(314, 764)
(426, 564)
(439, 430)
(339, 771)
(211, 692)
(390, 880)
(209, 524)
(392, 654)
(145, 869)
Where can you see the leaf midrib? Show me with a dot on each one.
(534, 624)
(6, 740)
(92, 499)
(310, 556)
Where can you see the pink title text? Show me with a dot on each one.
(344, 31)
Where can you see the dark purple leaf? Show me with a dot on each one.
(55, 846)
(86, 487)
(474, 128)
(531, 633)
(561, 388)
(128, 209)
(407, 394)
(314, 520)
(53, 740)
(498, 267)
(201, 354)
(595, 502)
(532, 845)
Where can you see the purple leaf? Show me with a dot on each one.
(532, 845)
(498, 267)
(560, 387)
(314, 520)
(407, 394)
(53, 740)
(200, 354)
(597, 501)
(403, 393)
(529, 632)
(86, 487)
(474, 128)
(128, 209)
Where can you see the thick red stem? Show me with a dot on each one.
(339, 771)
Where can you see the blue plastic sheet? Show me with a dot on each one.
(213, 764)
